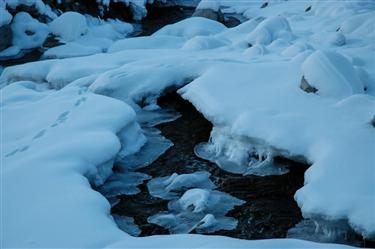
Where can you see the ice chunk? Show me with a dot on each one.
(171, 187)
(211, 224)
(151, 118)
(154, 147)
(123, 184)
(322, 231)
(127, 225)
(199, 200)
(239, 155)
(201, 210)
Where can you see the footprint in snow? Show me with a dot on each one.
(11, 153)
(82, 90)
(61, 119)
(39, 134)
(80, 101)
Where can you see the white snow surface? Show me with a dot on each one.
(246, 94)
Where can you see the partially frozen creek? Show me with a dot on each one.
(259, 206)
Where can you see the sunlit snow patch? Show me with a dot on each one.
(172, 187)
(202, 210)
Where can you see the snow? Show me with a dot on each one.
(51, 156)
(331, 74)
(27, 31)
(208, 4)
(5, 17)
(251, 95)
(69, 26)
(191, 27)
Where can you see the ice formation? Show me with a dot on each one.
(127, 225)
(155, 146)
(323, 231)
(202, 210)
(123, 184)
(172, 187)
(240, 155)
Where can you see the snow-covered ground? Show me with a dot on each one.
(64, 121)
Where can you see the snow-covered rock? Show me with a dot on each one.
(192, 27)
(27, 31)
(69, 26)
(331, 74)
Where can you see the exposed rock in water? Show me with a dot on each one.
(373, 121)
(210, 14)
(6, 37)
(306, 86)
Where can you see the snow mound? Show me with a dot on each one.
(70, 49)
(51, 156)
(69, 26)
(5, 17)
(192, 27)
(172, 187)
(269, 30)
(332, 74)
(209, 4)
(27, 31)
(204, 43)
(153, 42)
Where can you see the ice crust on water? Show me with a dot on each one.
(172, 187)
(127, 224)
(151, 116)
(154, 147)
(239, 155)
(200, 200)
(322, 230)
(123, 184)
(202, 210)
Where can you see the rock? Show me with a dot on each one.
(264, 5)
(306, 86)
(373, 121)
(308, 9)
(6, 37)
(210, 14)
